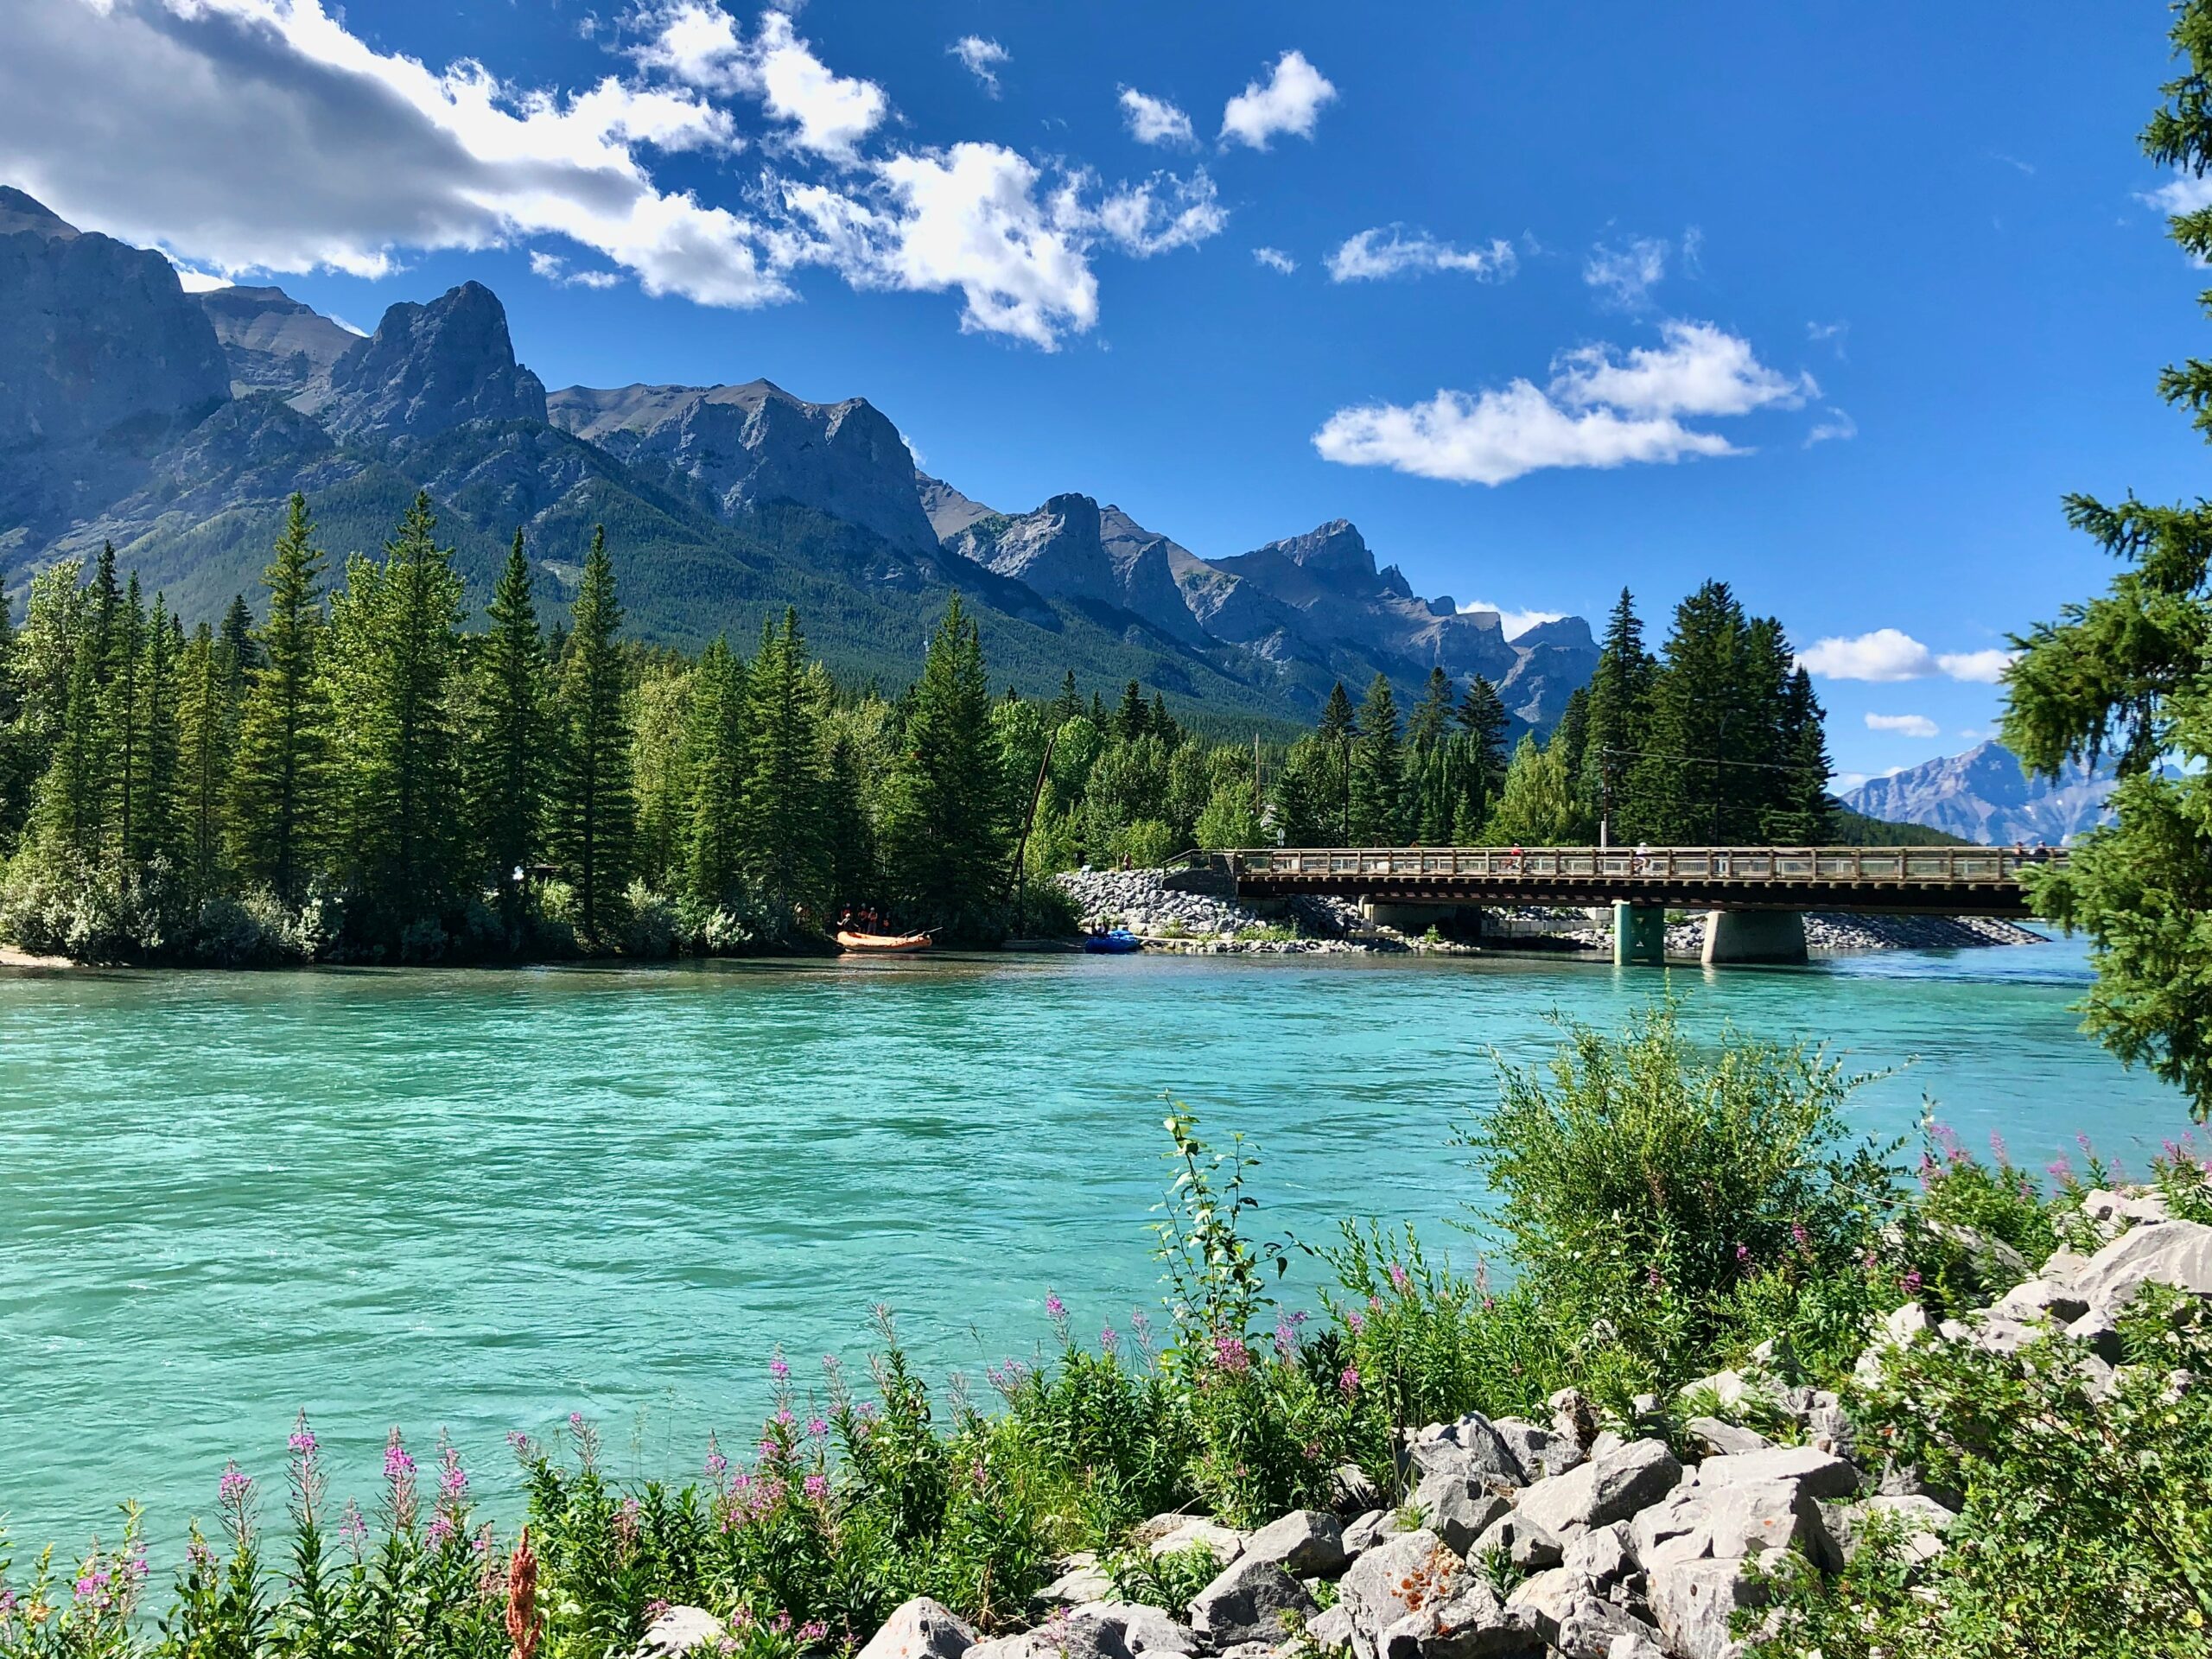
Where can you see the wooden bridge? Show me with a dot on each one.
(1765, 890)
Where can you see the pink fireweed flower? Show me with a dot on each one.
(2059, 1168)
(717, 1465)
(1375, 1304)
(1399, 1277)
(817, 1487)
(1357, 1320)
(1054, 1308)
(813, 1631)
(1911, 1282)
(1231, 1355)
(1798, 1236)
(1743, 1253)
(1348, 1381)
(453, 1479)
(353, 1530)
(818, 1429)
(577, 1422)
(779, 1368)
(1654, 1278)
(441, 1528)
(783, 1416)
(235, 1487)
(1108, 1338)
(302, 1441)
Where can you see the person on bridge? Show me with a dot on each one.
(1638, 864)
(1513, 860)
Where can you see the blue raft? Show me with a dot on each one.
(1119, 942)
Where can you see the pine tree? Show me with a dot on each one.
(781, 801)
(660, 772)
(1432, 715)
(943, 825)
(241, 647)
(1571, 738)
(1483, 717)
(1067, 706)
(207, 734)
(395, 650)
(1805, 815)
(1336, 725)
(715, 862)
(122, 719)
(1132, 719)
(1620, 693)
(1705, 723)
(159, 826)
(278, 789)
(593, 809)
(1378, 770)
(508, 748)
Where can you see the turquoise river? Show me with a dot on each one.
(475, 1201)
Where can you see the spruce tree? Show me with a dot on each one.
(593, 808)
(207, 732)
(713, 861)
(1378, 770)
(1336, 725)
(508, 747)
(278, 786)
(1432, 715)
(159, 829)
(1483, 717)
(1067, 706)
(122, 719)
(1620, 693)
(1132, 719)
(1571, 738)
(782, 826)
(395, 650)
(944, 828)
(241, 647)
(1804, 815)
(1706, 722)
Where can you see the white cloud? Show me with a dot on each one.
(1158, 216)
(1626, 276)
(1290, 102)
(1828, 333)
(1501, 434)
(2184, 193)
(198, 282)
(1513, 623)
(833, 112)
(1700, 369)
(981, 58)
(259, 135)
(1977, 667)
(1903, 725)
(1838, 426)
(1600, 410)
(1390, 252)
(1889, 655)
(1884, 655)
(1154, 120)
(1275, 259)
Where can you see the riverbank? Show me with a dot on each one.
(1168, 919)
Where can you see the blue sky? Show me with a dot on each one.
(1846, 295)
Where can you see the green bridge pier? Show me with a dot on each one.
(1731, 936)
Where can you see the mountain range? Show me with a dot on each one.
(174, 425)
(1984, 797)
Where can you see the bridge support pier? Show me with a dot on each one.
(1639, 935)
(1407, 918)
(1753, 936)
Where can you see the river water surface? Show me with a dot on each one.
(476, 1201)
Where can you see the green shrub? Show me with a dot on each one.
(1644, 1186)
(1170, 1580)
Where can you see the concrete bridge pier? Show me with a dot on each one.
(1639, 935)
(1754, 935)
(1407, 918)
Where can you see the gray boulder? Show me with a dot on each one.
(1574, 1417)
(2041, 1298)
(1820, 1473)
(1457, 1507)
(1541, 1452)
(1723, 1438)
(1525, 1543)
(1612, 1486)
(1134, 1627)
(1226, 1542)
(1694, 1602)
(679, 1630)
(1082, 1579)
(1601, 1555)
(921, 1629)
(1247, 1603)
(1306, 1543)
(1370, 1529)
(2176, 1253)
(1726, 1523)
(1394, 1578)
(1471, 1624)
(1350, 1492)
(1922, 1521)
(1472, 1447)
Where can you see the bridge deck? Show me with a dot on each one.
(1929, 881)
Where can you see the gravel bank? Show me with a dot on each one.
(1141, 901)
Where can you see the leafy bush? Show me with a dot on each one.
(1644, 1187)
(1170, 1580)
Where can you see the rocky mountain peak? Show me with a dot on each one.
(1983, 795)
(23, 215)
(1334, 549)
(1056, 551)
(748, 446)
(274, 343)
(430, 368)
(1570, 632)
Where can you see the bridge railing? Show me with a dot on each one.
(1947, 865)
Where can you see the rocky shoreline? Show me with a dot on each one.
(1171, 920)
(1580, 1538)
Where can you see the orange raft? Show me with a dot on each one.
(881, 944)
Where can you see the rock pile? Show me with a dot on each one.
(1826, 933)
(1568, 1539)
(1141, 901)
